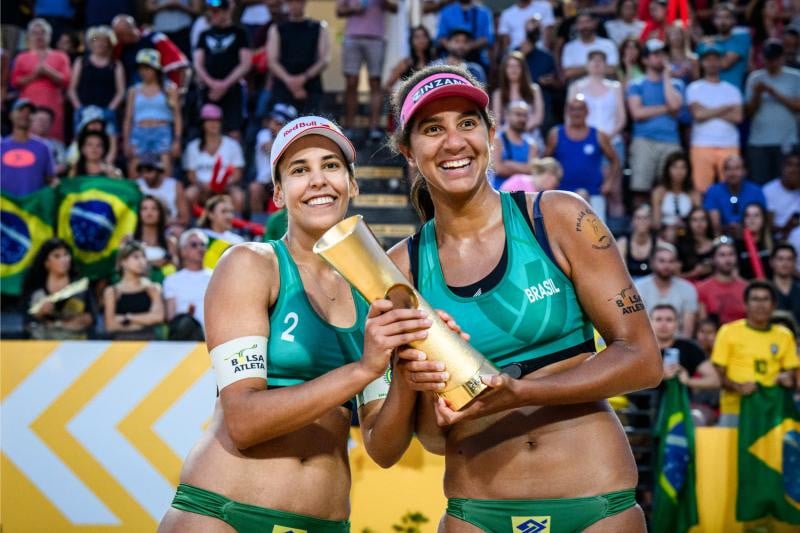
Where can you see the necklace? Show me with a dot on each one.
(319, 286)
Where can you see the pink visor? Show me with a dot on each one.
(438, 86)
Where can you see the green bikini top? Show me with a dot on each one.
(532, 316)
(301, 345)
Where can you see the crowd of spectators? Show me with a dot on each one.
(681, 134)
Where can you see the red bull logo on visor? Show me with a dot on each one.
(303, 125)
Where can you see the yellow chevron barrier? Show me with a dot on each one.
(94, 435)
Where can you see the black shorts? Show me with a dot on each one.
(233, 107)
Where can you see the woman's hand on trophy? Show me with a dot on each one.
(503, 393)
(387, 329)
(417, 371)
(451, 323)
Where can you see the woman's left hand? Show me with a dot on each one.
(503, 393)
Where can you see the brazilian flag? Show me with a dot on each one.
(675, 499)
(769, 457)
(216, 247)
(25, 223)
(94, 215)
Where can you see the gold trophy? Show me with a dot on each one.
(352, 249)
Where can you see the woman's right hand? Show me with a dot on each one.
(387, 329)
(421, 374)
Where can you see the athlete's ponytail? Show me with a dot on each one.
(421, 198)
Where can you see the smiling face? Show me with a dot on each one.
(450, 146)
(315, 184)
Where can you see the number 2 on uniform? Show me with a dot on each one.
(287, 334)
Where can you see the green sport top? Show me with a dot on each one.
(531, 315)
(301, 345)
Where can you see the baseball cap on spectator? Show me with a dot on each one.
(150, 161)
(283, 113)
(653, 46)
(149, 57)
(309, 125)
(218, 4)
(773, 49)
(210, 112)
(23, 102)
(710, 49)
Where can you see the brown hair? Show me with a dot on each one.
(420, 196)
(128, 249)
(211, 204)
(525, 84)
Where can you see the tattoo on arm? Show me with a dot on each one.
(628, 301)
(601, 240)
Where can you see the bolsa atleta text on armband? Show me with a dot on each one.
(237, 359)
(241, 361)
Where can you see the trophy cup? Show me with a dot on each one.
(352, 249)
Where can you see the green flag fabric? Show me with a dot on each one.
(25, 223)
(94, 215)
(769, 457)
(675, 498)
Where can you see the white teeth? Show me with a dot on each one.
(456, 164)
(321, 200)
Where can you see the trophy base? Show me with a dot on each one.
(459, 397)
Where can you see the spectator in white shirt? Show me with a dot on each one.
(717, 109)
(663, 286)
(783, 195)
(626, 24)
(511, 28)
(201, 155)
(258, 188)
(185, 290)
(575, 54)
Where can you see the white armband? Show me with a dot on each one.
(377, 390)
(242, 358)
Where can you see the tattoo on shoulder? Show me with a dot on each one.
(628, 300)
(601, 239)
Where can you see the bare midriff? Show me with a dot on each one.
(304, 472)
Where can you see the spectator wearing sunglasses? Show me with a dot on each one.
(185, 289)
(726, 200)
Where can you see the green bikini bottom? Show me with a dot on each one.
(567, 515)
(247, 518)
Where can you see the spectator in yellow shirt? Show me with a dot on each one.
(751, 351)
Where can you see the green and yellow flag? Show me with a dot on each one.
(25, 223)
(675, 498)
(216, 247)
(94, 214)
(769, 457)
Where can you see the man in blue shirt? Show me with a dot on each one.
(26, 163)
(543, 69)
(734, 44)
(654, 101)
(476, 20)
(727, 200)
